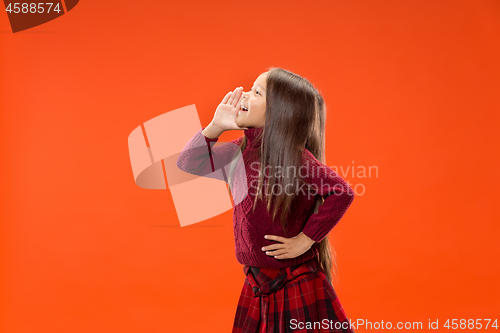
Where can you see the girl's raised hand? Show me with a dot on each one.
(227, 111)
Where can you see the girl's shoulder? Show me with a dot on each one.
(314, 167)
(309, 159)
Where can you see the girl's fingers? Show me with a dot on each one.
(276, 252)
(233, 99)
(224, 100)
(273, 247)
(232, 96)
(239, 101)
(276, 238)
(237, 98)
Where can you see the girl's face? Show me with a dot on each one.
(255, 102)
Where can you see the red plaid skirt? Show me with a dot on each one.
(293, 299)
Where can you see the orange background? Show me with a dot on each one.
(411, 88)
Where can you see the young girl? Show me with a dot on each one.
(294, 200)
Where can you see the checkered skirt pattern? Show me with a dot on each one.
(292, 299)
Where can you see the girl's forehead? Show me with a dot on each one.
(261, 80)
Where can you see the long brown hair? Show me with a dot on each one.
(295, 119)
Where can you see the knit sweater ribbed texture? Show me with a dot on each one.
(201, 156)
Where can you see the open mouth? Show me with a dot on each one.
(242, 108)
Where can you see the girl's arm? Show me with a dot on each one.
(203, 157)
(337, 194)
